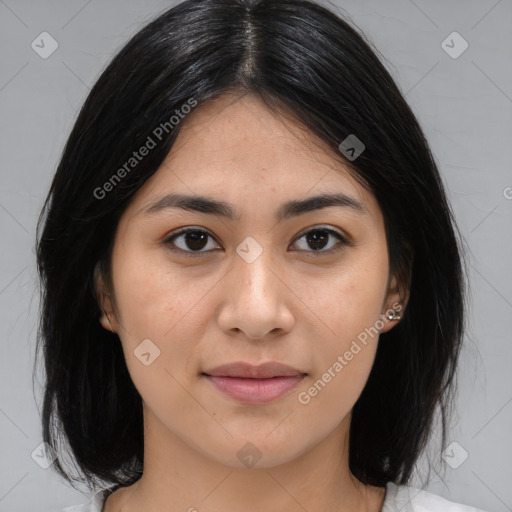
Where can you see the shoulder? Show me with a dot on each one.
(84, 507)
(411, 499)
(94, 504)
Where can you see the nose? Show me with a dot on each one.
(256, 300)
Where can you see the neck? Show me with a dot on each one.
(178, 477)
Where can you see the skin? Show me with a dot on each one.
(290, 305)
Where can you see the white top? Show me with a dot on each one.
(398, 499)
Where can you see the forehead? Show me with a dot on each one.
(239, 150)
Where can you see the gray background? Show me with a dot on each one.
(465, 107)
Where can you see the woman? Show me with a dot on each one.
(253, 295)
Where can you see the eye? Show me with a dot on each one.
(194, 240)
(318, 237)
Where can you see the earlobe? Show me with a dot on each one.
(103, 299)
(105, 322)
(391, 317)
(396, 302)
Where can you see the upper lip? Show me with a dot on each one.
(248, 371)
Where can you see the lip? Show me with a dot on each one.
(251, 384)
(249, 371)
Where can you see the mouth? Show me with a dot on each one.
(255, 391)
(249, 384)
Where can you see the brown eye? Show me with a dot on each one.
(317, 239)
(195, 241)
(192, 240)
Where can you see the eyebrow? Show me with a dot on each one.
(210, 206)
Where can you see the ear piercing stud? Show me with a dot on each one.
(392, 315)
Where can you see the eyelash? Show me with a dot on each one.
(344, 242)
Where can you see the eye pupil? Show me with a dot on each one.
(196, 239)
(317, 241)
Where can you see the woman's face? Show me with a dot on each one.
(258, 287)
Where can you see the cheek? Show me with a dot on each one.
(343, 361)
(347, 299)
(153, 305)
(347, 308)
(151, 295)
(159, 304)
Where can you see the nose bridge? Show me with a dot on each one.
(253, 269)
(255, 300)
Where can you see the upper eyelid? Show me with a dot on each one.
(179, 231)
(320, 226)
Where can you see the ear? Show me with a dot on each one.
(107, 318)
(396, 301)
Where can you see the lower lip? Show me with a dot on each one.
(255, 391)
